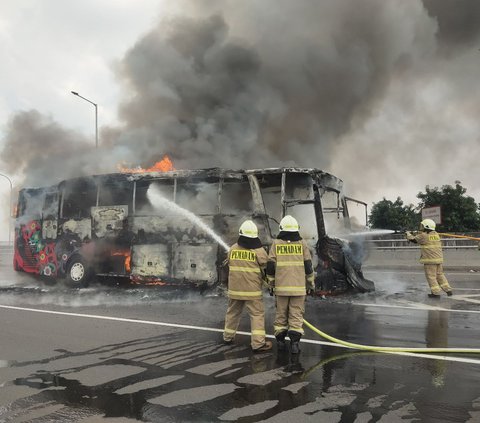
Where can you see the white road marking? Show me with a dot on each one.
(468, 298)
(202, 328)
(417, 272)
(467, 289)
(420, 306)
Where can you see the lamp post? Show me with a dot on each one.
(9, 210)
(96, 116)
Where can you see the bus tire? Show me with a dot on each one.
(78, 273)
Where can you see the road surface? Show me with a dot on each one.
(120, 354)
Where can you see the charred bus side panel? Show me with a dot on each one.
(112, 225)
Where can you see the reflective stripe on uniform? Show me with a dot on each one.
(310, 278)
(275, 328)
(245, 293)
(258, 332)
(230, 330)
(244, 269)
(431, 261)
(289, 263)
(290, 289)
(300, 330)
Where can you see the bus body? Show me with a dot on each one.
(108, 225)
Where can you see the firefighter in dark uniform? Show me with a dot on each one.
(431, 257)
(290, 275)
(247, 260)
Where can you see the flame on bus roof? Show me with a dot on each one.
(164, 165)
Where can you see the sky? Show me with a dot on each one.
(385, 96)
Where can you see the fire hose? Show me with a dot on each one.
(390, 349)
(445, 234)
(398, 349)
(459, 236)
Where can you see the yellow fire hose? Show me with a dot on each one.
(459, 236)
(455, 236)
(391, 349)
(399, 349)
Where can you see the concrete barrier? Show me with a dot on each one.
(461, 258)
(464, 259)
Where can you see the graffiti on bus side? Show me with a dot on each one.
(34, 254)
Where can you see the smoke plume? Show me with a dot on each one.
(41, 149)
(366, 91)
(220, 90)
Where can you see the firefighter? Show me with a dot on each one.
(290, 275)
(431, 257)
(247, 260)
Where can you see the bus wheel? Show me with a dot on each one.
(77, 273)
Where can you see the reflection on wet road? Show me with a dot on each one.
(177, 379)
(75, 369)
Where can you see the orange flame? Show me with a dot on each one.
(146, 280)
(164, 165)
(128, 259)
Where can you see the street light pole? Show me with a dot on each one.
(9, 210)
(96, 115)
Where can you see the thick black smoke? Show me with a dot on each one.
(269, 83)
(211, 97)
(458, 22)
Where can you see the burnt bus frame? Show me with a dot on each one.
(321, 182)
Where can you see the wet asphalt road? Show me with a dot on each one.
(122, 354)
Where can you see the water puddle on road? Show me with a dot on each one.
(188, 377)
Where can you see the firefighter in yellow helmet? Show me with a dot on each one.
(247, 260)
(290, 274)
(431, 257)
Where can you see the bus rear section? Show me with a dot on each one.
(35, 232)
(113, 226)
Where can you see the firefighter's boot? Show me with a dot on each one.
(281, 344)
(294, 341)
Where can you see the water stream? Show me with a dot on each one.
(372, 232)
(160, 202)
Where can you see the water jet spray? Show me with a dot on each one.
(160, 202)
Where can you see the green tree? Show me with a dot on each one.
(460, 212)
(393, 215)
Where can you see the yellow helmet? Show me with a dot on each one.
(248, 229)
(428, 224)
(289, 224)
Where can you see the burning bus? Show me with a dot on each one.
(173, 228)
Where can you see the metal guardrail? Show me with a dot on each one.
(373, 244)
(404, 244)
(6, 249)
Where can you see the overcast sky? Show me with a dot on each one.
(52, 47)
(385, 96)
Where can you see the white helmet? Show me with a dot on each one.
(248, 229)
(428, 224)
(289, 224)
